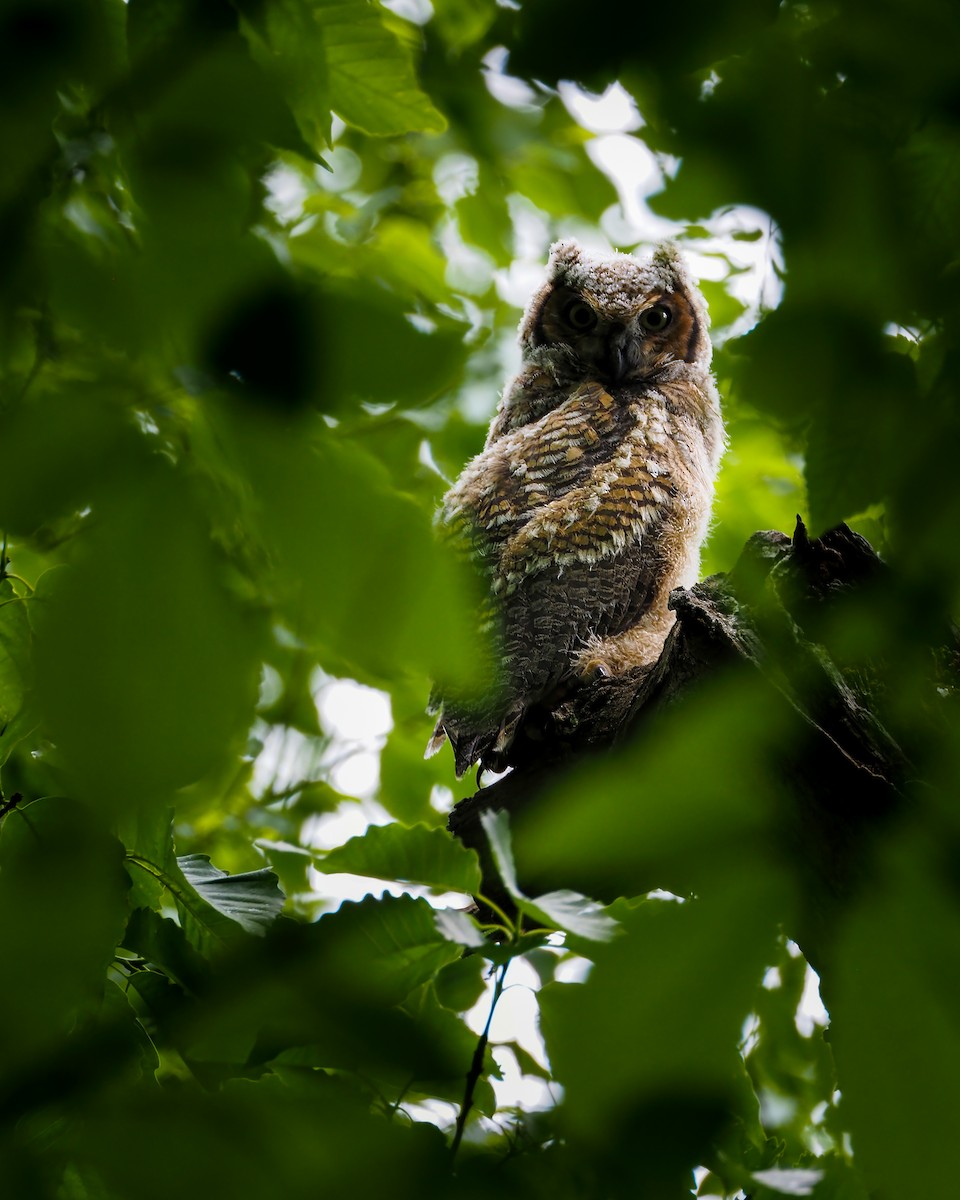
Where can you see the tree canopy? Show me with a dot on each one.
(262, 267)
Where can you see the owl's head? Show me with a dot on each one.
(616, 318)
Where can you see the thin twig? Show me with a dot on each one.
(8, 805)
(476, 1067)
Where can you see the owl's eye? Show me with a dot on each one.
(579, 316)
(656, 319)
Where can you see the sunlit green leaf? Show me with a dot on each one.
(457, 926)
(415, 855)
(338, 54)
(571, 912)
(496, 826)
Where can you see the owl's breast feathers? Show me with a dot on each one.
(573, 518)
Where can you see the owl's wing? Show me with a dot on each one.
(565, 517)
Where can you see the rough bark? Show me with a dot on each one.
(842, 771)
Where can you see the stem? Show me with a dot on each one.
(496, 910)
(476, 1066)
(19, 579)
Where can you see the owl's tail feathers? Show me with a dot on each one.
(467, 745)
(435, 745)
(485, 744)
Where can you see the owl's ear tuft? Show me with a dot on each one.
(669, 267)
(564, 258)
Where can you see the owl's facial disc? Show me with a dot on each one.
(630, 340)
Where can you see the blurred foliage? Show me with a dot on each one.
(262, 264)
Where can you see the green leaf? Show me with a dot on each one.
(251, 1138)
(564, 909)
(453, 1042)
(375, 592)
(655, 1028)
(572, 912)
(292, 864)
(128, 1037)
(147, 835)
(458, 926)
(160, 940)
(415, 855)
(459, 985)
(215, 908)
(131, 653)
(252, 900)
(62, 909)
(15, 642)
(339, 54)
(895, 1030)
(659, 816)
(383, 949)
(496, 826)
(463, 22)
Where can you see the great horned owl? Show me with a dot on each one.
(592, 495)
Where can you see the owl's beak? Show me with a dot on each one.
(616, 362)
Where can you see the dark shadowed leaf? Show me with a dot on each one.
(459, 985)
(62, 908)
(895, 1030)
(143, 645)
(664, 1005)
(252, 900)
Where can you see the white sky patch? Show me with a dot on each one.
(810, 1011)
(357, 719)
(633, 168)
(518, 282)
(517, 1090)
(469, 269)
(517, 1016)
(288, 758)
(441, 798)
(324, 831)
(418, 12)
(776, 1110)
(615, 111)
(329, 890)
(356, 773)
(286, 192)
(508, 89)
(573, 970)
(456, 175)
(749, 1035)
(351, 711)
(345, 169)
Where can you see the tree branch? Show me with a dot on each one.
(842, 770)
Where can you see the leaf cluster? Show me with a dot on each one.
(262, 261)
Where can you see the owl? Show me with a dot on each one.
(591, 497)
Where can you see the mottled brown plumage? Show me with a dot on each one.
(592, 495)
